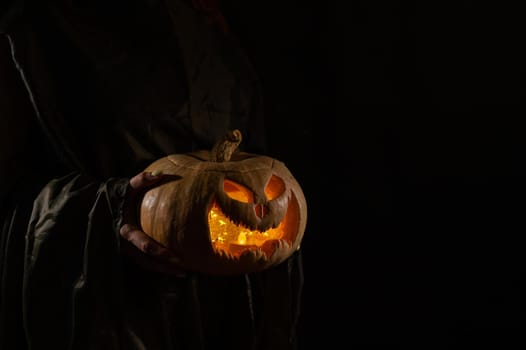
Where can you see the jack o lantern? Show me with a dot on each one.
(224, 211)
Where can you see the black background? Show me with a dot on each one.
(402, 122)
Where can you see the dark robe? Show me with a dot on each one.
(91, 93)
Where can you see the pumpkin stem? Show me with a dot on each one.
(226, 146)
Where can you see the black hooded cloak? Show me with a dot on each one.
(91, 93)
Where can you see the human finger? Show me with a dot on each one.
(145, 180)
(148, 251)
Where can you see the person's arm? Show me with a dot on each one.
(81, 238)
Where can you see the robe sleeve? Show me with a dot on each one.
(72, 261)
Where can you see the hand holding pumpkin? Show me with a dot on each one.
(137, 245)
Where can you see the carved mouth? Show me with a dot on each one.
(234, 240)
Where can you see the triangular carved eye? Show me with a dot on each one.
(238, 192)
(275, 187)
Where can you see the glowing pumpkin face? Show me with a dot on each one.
(240, 215)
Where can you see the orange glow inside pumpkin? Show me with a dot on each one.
(234, 239)
(238, 192)
(223, 231)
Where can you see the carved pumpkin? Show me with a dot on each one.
(225, 211)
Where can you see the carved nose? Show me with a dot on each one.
(261, 210)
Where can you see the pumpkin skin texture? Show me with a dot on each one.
(242, 214)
